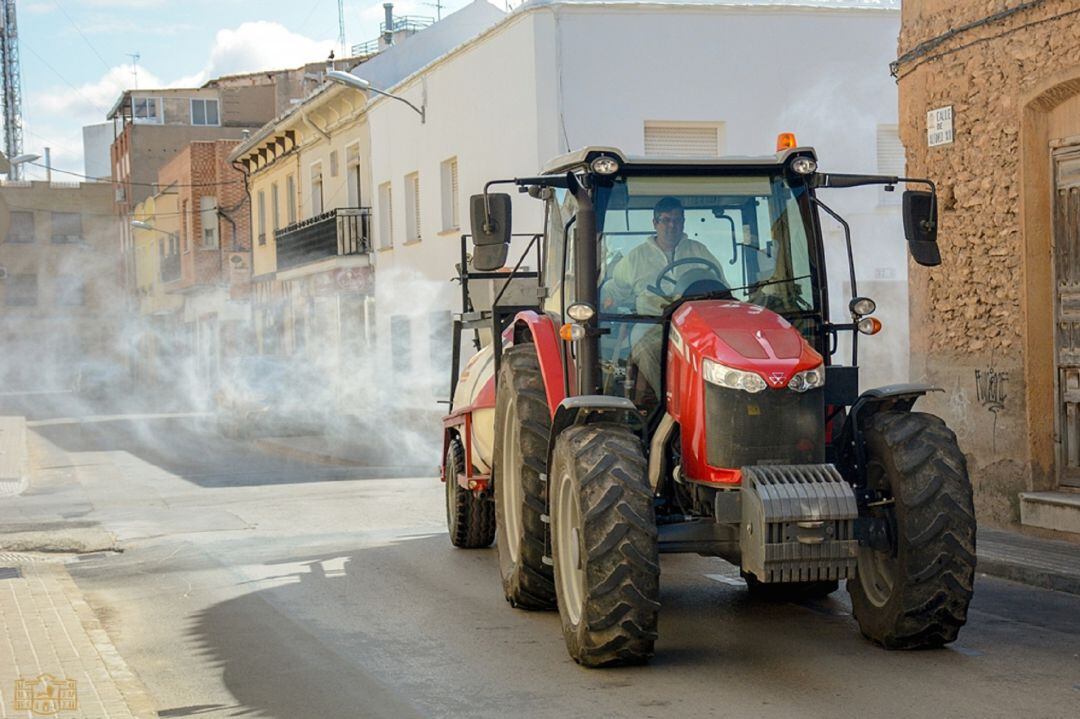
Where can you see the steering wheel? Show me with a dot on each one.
(665, 276)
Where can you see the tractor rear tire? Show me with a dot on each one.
(916, 595)
(604, 543)
(522, 426)
(789, 591)
(470, 519)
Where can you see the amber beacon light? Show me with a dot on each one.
(785, 140)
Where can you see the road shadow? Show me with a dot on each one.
(189, 448)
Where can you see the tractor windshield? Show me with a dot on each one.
(663, 238)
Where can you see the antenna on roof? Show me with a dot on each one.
(438, 8)
(341, 27)
(135, 66)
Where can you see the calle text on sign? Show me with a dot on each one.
(939, 126)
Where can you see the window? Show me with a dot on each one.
(890, 160)
(684, 139)
(260, 216)
(22, 227)
(450, 219)
(352, 175)
(275, 214)
(334, 164)
(412, 207)
(400, 344)
(209, 221)
(290, 199)
(70, 290)
(316, 190)
(66, 228)
(21, 291)
(147, 109)
(204, 112)
(386, 217)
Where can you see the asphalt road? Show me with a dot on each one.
(250, 586)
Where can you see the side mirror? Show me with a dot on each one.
(490, 230)
(920, 227)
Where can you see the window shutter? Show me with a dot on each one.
(682, 141)
(890, 152)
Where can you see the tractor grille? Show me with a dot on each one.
(770, 427)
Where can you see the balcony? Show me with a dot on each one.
(340, 232)
(170, 268)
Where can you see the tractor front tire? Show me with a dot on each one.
(604, 544)
(522, 426)
(789, 591)
(470, 519)
(916, 594)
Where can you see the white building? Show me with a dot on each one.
(710, 78)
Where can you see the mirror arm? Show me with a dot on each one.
(521, 182)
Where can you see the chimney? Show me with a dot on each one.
(48, 165)
(388, 29)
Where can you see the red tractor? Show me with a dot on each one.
(665, 380)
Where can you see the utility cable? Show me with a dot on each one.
(920, 52)
(138, 184)
(85, 39)
(67, 82)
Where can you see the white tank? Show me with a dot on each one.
(479, 373)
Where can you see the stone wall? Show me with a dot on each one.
(982, 322)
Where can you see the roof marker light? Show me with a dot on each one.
(786, 141)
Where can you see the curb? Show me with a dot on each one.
(1029, 575)
(1037, 562)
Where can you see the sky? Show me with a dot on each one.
(75, 55)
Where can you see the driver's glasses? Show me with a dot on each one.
(671, 219)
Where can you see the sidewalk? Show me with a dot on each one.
(1039, 562)
(13, 457)
(46, 628)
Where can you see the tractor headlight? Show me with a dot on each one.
(580, 312)
(803, 166)
(605, 165)
(808, 379)
(731, 378)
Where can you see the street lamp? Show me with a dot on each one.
(10, 166)
(358, 83)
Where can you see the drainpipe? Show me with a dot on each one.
(388, 32)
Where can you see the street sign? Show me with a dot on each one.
(939, 126)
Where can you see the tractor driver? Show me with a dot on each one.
(629, 287)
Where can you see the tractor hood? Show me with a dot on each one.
(742, 336)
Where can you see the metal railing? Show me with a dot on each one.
(413, 23)
(371, 47)
(339, 232)
(170, 268)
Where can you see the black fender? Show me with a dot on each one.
(851, 449)
(587, 408)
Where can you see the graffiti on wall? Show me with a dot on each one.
(992, 388)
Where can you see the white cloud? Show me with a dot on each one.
(262, 45)
(55, 115)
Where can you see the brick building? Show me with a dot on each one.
(208, 260)
(990, 109)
